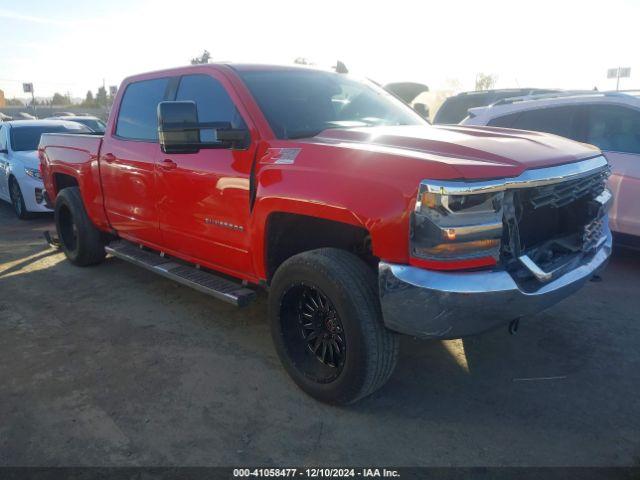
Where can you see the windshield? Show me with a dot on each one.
(26, 138)
(303, 103)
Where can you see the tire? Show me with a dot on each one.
(361, 353)
(17, 200)
(81, 241)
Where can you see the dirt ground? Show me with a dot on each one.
(112, 365)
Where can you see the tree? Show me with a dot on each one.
(14, 102)
(89, 101)
(485, 82)
(101, 97)
(59, 99)
(204, 58)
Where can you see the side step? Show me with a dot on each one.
(204, 282)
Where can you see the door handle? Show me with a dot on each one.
(109, 157)
(168, 164)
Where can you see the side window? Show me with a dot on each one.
(556, 120)
(506, 121)
(3, 138)
(138, 118)
(212, 100)
(614, 128)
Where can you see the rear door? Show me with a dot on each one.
(4, 163)
(203, 199)
(615, 129)
(128, 161)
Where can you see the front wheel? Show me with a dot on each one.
(327, 326)
(17, 200)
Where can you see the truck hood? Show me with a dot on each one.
(474, 152)
(27, 159)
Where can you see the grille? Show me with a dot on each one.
(562, 194)
(554, 220)
(592, 235)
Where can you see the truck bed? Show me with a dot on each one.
(85, 144)
(71, 159)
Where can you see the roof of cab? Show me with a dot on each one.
(239, 67)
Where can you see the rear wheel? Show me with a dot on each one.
(17, 200)
(327, 326)
(81, 241)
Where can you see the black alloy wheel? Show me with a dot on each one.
(321, 331)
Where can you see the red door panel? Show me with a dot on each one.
(204, 206)
(127, 169)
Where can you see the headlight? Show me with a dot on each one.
(33, 173)
(456, 231)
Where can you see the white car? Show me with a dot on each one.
(91, 122)
(608, 120)
(20, 182)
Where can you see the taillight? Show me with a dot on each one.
(451, 232)
(42, 159)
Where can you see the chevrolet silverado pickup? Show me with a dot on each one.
(360, 219)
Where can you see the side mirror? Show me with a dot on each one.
(179, 130)
(422, 110)
(178, 127)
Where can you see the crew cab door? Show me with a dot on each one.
(128, 159)
(203, 197)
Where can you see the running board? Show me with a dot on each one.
(193, 277)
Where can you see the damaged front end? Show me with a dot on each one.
(486, 253)
(549, 228)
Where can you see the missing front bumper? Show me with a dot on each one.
(431, 304)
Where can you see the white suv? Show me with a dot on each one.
(608, 120)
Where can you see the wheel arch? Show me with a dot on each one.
(287, 234)
(64, 180)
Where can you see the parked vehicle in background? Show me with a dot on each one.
(455, 108)
(93, 123)
(20, 180)
(361, 219)
(408, 92)
(24, 116)
(608, 120)
(63, 114)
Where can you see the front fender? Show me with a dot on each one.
(379, 207)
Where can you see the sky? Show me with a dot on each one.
(73, 46)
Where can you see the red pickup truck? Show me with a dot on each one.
(360, 219)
